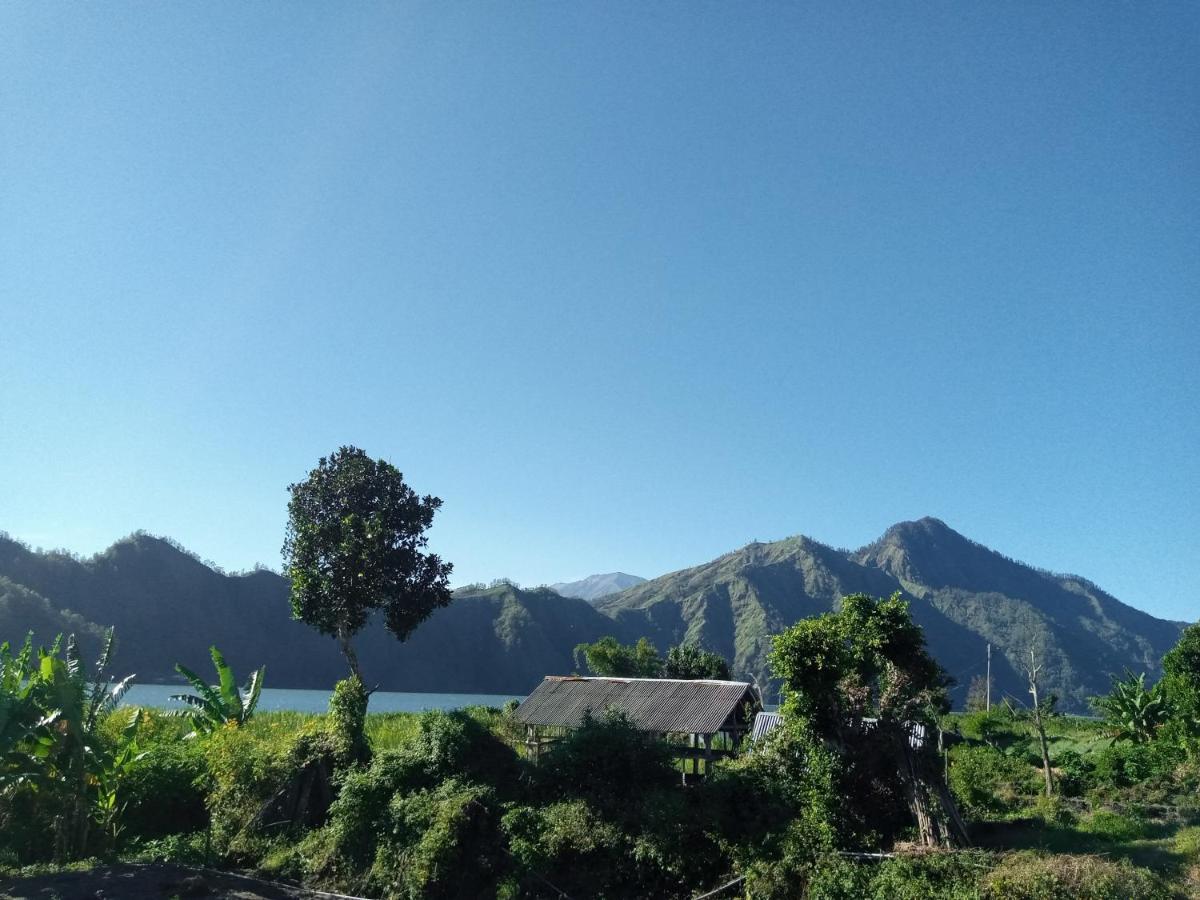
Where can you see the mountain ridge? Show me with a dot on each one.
(168, 606)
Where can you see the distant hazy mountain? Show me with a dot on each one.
(594, 587)
(168, 607)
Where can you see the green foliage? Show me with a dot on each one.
(1075, 774)
(53, 751)
(221, 704)
(418, 821)
(934, 876)
(867, 659)
(347, 719)
(1031, 876)
(606, 760)
(244, 770)
(1181, 687)
(688, 661)
(1126, 764)
(355, 544)
(1132, 712)
(987, 781)
(165, 791)
(609, 658)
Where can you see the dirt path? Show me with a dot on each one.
(150, 882)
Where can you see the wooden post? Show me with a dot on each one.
(989, 679)
(708, 756)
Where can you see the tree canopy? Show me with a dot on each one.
(609, 658)
(355, 544)
(867, 659)
(693, 661)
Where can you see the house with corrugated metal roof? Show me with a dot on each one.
(715, 716)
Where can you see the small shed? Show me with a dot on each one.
(703, 710)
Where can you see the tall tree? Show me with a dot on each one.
(355, 544)
(861, 680)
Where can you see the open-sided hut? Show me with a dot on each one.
(702, 710)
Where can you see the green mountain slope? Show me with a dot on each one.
(168, 607)
(23, 611)
(962, 594)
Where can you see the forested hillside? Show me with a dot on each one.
(963, 594)
(167, 607)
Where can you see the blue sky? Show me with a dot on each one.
(627, 285)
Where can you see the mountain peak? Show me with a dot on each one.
(596, 586)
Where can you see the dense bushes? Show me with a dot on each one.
(987, 781)
(1030, 876)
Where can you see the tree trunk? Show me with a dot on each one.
(1039, 725)
(940, 825)
(348, 651)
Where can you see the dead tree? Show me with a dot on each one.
(1038, 724)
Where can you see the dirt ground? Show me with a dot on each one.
(149, 882)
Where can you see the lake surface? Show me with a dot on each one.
(273, 699)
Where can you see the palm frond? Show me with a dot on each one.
(202, 687)
(253, 692)
(228, 684)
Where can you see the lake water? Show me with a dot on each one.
(273, 699)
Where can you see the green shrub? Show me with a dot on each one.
(1074, 774)
(1115, 827)
(1030, 876)
(1127, 764)
(606, 760)
(189, 848)
(245, 769)
(569, 844)
(929, 876)
(165, 791)
(347, 720)
(831, 877)
(433, 783)
(440, 842)
(985, 780)
(1052, 810)
(1187, 842)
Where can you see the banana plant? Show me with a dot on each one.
(222, 704)
(50, 741)
(77, 759)
(25, 737)
(1132, 712)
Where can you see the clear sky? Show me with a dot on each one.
(627, 285)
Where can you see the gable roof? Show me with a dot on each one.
(652, 704)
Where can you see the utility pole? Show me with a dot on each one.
(989, 679)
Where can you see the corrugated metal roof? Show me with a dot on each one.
(764, 724)
(652, 704)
